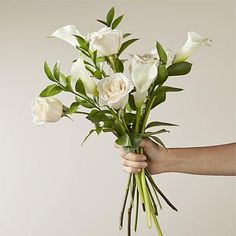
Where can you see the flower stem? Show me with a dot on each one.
(124, 202)
(136, 213)
(160, 192)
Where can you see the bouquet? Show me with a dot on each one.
(116, 101)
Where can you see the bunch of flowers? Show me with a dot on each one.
(115, 101)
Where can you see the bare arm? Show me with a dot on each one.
(211, 160)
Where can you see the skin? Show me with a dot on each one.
(209, 160)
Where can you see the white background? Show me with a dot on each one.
(49, 184)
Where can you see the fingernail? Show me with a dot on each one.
(144, 164)
(143, 158)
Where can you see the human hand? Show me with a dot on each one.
(153, 158)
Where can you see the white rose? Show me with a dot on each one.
(67, 33)
(79, 71)
(143, 70)
(194, 41)
(106, 41)
(46, 109)
(114, 91)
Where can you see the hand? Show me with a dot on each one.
(152, 158)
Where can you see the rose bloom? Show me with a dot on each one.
(106, 41)
(47, 109)
(114, 91)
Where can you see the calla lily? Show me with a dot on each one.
(194, 41)
(67, 33)
(143, 70)
(79, 71)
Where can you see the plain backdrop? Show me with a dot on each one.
(49, 184)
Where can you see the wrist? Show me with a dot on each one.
(169, 161)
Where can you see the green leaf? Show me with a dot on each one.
(48, 72)
(148, 134)
(135, 140)
(97, 74)
(159, 123)
(83, 44)
(86, 104)
(165, 89)
(124, 140)
(126, 44)
(160, 94)
(73, 107)
(63, 79)
(79, 87)
(90, 132)
(157, 140)
(129, 118)
(162, 74)
(181, 68)
(103, 22)
(110, 16)
(51, 90)
(119, 65)
(68, 86)
(131, 102)
(161, 53)
(159, 99)
(56, 71)
(126, 35)
(78, 99)
(116, 22)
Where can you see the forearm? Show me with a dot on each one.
(211, 160)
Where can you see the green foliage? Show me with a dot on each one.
(90, 132)
(117, 21)
(131, 102)
(162, 74)
(148, 134)
(110, 21)
(126, 35)
(96, 116)
(160, 94)
(79, 87)
(124, 141)
(110, 16)
(129, 118)
(165, 89)
(103, 22)
(73, 108)
(68, 86)
(181, 68)
(119, 65)
(56, 71)
(125, 45)
(158, 141)
(160, 98)
(83, 44)
(86, 104)
(159, 123)
(51, 90)
(161, 53)
(48, 72)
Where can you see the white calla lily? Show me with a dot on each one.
(79, 71)
(67, 33)
(143, 70)
(194, 41)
